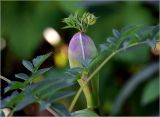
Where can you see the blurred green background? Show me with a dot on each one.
(23, 25)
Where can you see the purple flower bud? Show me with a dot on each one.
(81, 47)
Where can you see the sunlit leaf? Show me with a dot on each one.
(80, 22)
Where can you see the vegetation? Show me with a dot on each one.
(47, 86)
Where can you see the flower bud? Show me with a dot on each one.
(81, 47)
(89, 18)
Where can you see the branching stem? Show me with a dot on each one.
(97, 70)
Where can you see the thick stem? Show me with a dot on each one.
(88, 94)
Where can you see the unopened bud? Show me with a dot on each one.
(81, 48)
(89, 18)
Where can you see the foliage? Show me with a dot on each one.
(80, 22)
(31, 18)
(110, 48)
(129, 35)
(48, 90)
(45, 91)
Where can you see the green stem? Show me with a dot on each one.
(89, 78)
(88, 94)
(75, 99)
(97, 70)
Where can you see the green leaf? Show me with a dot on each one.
(103, 47)
(125, 44)
(60, 95)
(41, 71)
(28, 65)
(55, 83)
(74, 71)
(86, 62)
(131, 29)
(60, 109)
(14, 85)
(116, 33)
(14, 100)
(55, 87)
(151, 42)
(111, 40)
(148, 33)
(128, 32)
(151, 92)
(129, 35)
(26, 100)
(84, 113)
(22, 76)
(7, 99)
(80, 22)
(37, 62)
(45, 84)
